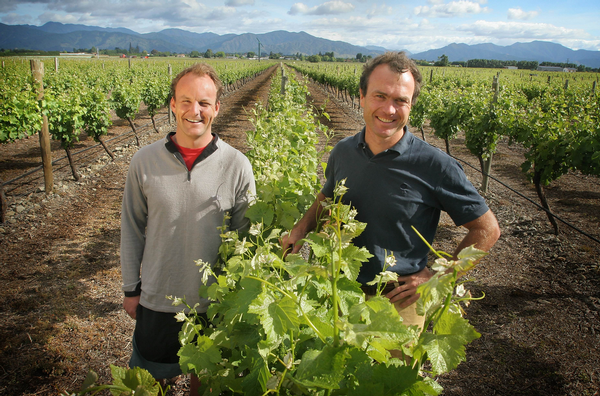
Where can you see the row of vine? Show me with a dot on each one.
(556, 122)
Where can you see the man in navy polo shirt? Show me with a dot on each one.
(396, 181)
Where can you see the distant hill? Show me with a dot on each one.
(57, 27)
(541, 51)
(54, 36)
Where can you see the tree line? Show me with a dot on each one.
(443, 60)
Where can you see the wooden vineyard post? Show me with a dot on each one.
(283, 80)
(37, 69)
(487, 163)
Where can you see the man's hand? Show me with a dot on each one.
(130, 304)
(407, 292)
(291, 242)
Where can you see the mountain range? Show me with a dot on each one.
(541, 51)
(55, 36)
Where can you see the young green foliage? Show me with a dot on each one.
(299, 325)
(126, 382)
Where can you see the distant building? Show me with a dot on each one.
(511, 67)
(74, 54)
(556, 69)
(181, 55)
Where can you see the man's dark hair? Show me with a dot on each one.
(199, 69)
(398, 62)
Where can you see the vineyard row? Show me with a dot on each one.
(555, 120)
(80, 95)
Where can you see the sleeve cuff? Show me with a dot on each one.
(136, 292)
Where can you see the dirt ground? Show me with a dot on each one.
(60, 304)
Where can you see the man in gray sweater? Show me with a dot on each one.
(178, 192)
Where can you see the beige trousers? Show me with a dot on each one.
(409, 318)
(409, 314)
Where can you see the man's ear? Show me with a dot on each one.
(362, 97)
(217, 107)
(172, 103)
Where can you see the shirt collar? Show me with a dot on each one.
(211, 147)
(401, 147)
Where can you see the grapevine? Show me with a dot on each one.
(303, 326)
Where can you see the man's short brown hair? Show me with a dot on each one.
(199, 69)
(398, 62)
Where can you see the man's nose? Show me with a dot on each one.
(390, 107)
(196, 107)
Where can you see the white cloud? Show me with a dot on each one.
(425, 24)
(238, 3)
(255, 26)
(329, 8)
(590, 45)
(220, 13)
(523, 30)
(518, 13)
(16, 19)
(363, 25)
(376, 10)
(62, 18)
(364, 30)
(298, 8)
(452, 9)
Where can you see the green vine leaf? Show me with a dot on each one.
(323, 369)
(204, 355)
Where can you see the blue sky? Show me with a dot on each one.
(413, 25)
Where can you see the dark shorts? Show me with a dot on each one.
(156, 341)
(156, 335)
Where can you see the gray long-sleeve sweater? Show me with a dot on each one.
(170, 217)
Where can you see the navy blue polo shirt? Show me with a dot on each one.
(406, 185)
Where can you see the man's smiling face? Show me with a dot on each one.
(386, 106)
(195, 107)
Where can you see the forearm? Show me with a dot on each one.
(483, 233)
